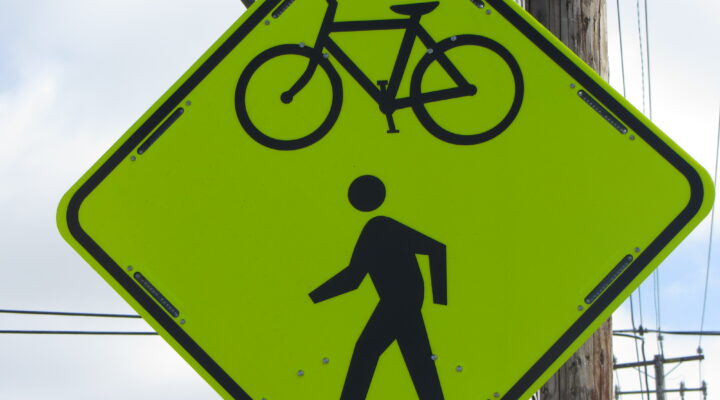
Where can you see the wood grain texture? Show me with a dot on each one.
(587, 375)
(582, 26)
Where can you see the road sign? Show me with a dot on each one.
(360, 200)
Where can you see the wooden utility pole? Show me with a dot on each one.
(582, 26)
(660, 390)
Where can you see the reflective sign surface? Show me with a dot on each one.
(360, 200)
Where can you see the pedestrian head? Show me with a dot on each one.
(366, 193)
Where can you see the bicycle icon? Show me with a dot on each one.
(385, 94)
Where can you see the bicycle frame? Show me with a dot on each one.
(386, 97)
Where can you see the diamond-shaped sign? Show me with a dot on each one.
(369, 200)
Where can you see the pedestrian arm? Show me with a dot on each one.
(438, 263)
(345, 281)
(438, 273)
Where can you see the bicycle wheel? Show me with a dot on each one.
(283, 103)
(477, 117)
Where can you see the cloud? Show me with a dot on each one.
(90, 368)
(18, 113)
(686, 98)
(686, 92)
(73, 76)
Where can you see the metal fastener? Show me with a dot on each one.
(488, 12)
(302, 44)
(188, 103)
(433, 357)
(130, 267)
(580, 308)
(459, 368)
(453, 38)
(267, 22)
(325, 360)
(572, 86)
(430, 51)
(132, 158)
(632, 137)
(301, 373)
(182, 322)
(637, 249)
(326, 55)
(496, 394)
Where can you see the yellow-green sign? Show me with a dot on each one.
(375, 200)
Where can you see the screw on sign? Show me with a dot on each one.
(370, 183)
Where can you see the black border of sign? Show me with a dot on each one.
(550, 356)
(685, 216)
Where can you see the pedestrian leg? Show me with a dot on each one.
(374, 340)
(415, 347)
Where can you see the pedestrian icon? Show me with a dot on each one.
(386, 253)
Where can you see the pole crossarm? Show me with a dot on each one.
(666, 361)
(681, 390)
(643, 331)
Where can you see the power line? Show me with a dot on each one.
(72, 314)
(647, 50)
(645, 367)
(658, 321)
(69, 314)
(622, 56)
(624, 91)
(660, 385)
(627, 335)
(640, 306)
(102, 333)
(640, 364)
(637, 350)
(712, 226)
(656, 273)
(709, 255)
(643, 331)
(673, 369)
(642, 55)
(642, 347)
(617, 376)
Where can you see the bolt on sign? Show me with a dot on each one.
(359, 200)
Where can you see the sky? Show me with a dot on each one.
(685, 105)
(74, 75)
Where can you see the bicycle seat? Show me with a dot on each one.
(415, 9)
